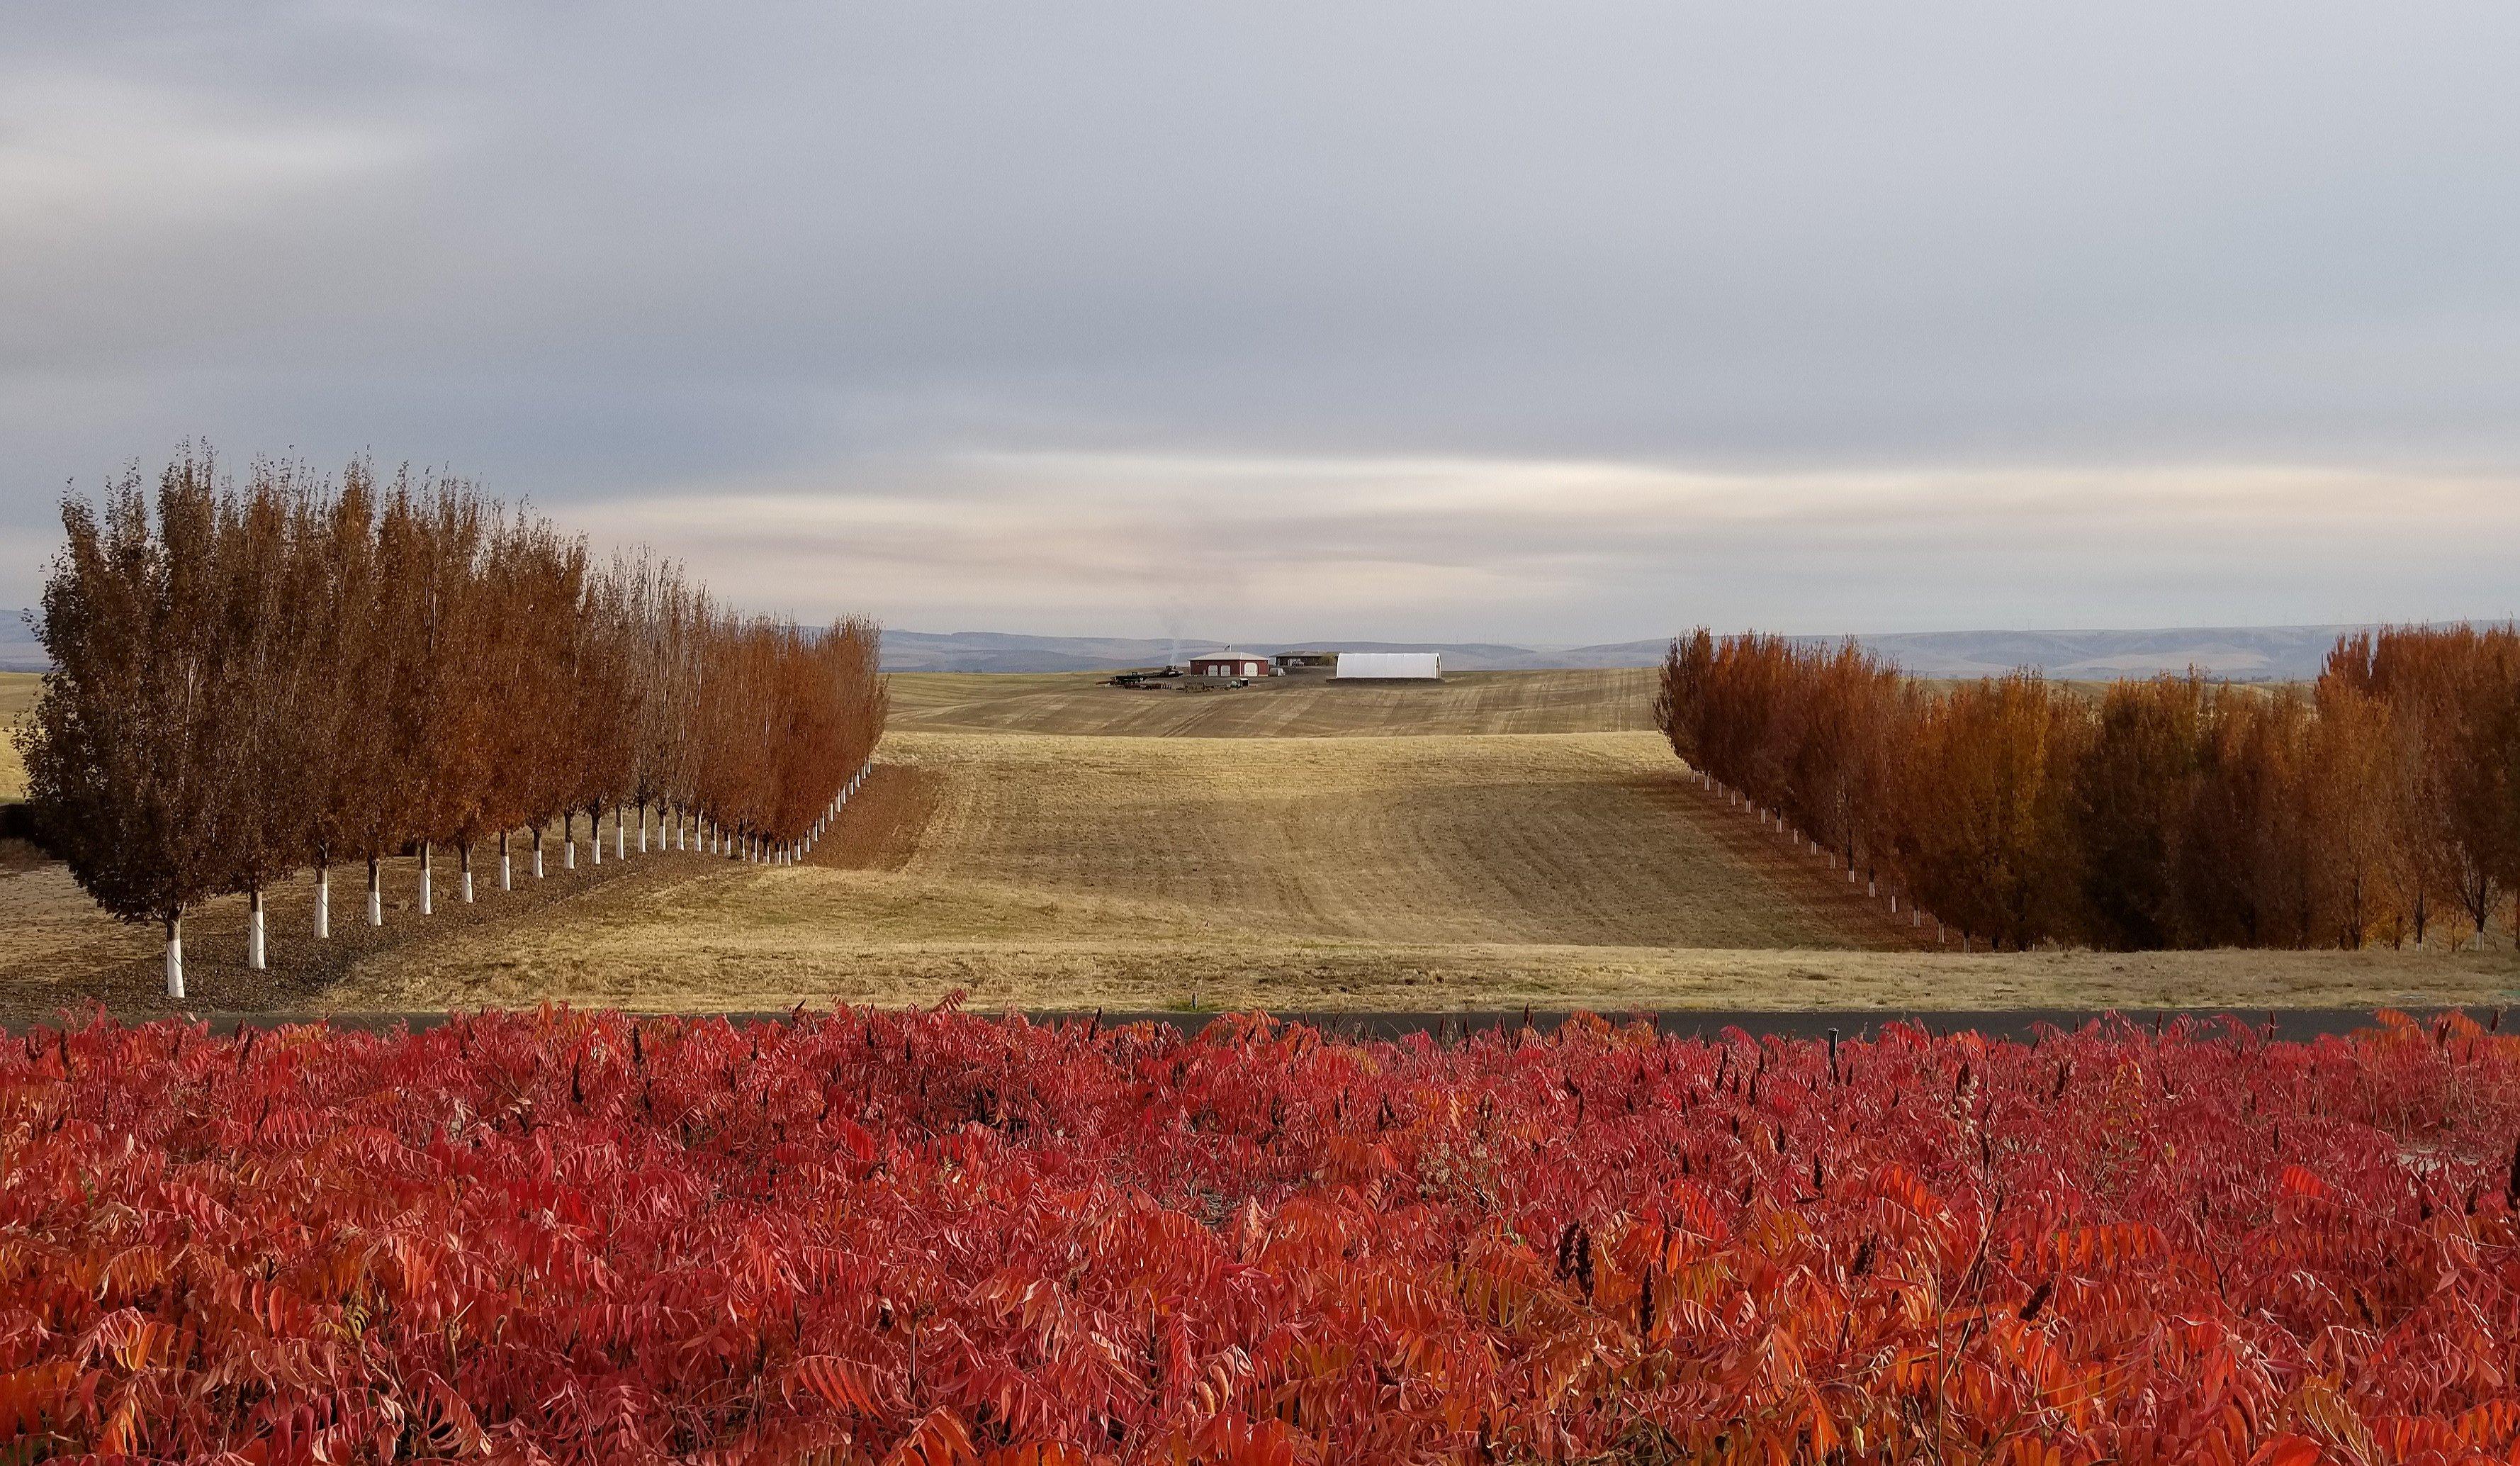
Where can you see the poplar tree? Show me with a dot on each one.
(336, 748)
(121, 762)
(269, 579)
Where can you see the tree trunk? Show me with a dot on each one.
(538, 852)
(376, 893)
(464, 861)
(643, 827)
(568, 841)
(254, 943)
(507, 873)
(175, 955)
(323, 900)
(595, 828)
(426, 908)
(620, 834)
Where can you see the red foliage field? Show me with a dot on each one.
(930, 1237)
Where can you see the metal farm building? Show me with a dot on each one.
(1231, 665)
(1391, 667)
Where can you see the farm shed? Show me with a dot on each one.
(1230, 665)
(1381, 667)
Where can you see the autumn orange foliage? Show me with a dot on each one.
(2380, 804)
(254, 678)
(928, 1237)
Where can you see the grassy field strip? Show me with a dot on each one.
(1302, 706)
(1132, 872)
(1566, 838)
(16, 696)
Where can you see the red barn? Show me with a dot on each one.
(1230, 664)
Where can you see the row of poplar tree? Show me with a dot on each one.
(253, 679)
(2380, 804)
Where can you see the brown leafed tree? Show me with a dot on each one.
(120, 763)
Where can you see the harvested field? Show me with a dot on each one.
(1296, 706)
(1436, 873)
(16, 695)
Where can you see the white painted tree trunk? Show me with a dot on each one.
(642, 829)
(464, 857)
(569, 854)
(175, 957)
(538, 853)
(620, 834)
(507, 871)
(597, 843)
(376, 894)
(323, 904)
(253, 930)
(426, 906)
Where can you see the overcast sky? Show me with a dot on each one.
(1555, 322)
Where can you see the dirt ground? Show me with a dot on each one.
(1291, 847)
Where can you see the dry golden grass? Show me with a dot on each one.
(1350, 873)
(16, 696)
(1298, 707)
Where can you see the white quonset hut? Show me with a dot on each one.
(1391, 667)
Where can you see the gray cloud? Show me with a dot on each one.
(967, 295)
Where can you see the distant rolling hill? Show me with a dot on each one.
(2239, 654)
(20, 652)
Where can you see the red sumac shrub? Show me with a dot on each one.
(930, 1237)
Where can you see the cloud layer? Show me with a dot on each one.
(1572, 322)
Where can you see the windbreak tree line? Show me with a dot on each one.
(2382, 803)
(297, 672)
